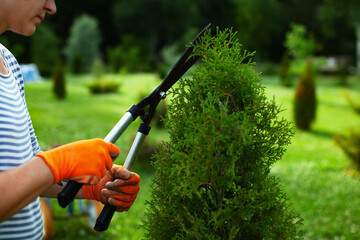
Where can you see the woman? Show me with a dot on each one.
(27, 173)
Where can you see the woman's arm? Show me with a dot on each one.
(21, 185)
(84, 161)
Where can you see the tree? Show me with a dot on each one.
(301, 46)
(212, 177)
(84, 41)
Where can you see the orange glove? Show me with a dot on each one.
(119, 187)
(83, 161)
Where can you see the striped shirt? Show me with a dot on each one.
(18, 144)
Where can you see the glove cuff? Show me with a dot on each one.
(91, 192)
(52, 167)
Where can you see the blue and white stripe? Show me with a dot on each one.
(18, 144)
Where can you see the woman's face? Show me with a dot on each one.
(22, 16)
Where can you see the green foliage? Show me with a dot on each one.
(212, 177)
(58, 76)
(300, 46)
(131, 55)
(45, 49)
(351, 146)
(350, 143)
(167, 24)
(103, 85)
(354, 104)
(305, 99)
(83, 45)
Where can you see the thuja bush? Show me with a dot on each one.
(59, 80)
(351, 146)
(305, 99)
(212, 177)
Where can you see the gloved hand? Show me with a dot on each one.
(83, 161)
(119, 187)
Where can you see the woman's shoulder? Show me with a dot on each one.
(7, 55)
(4, 50)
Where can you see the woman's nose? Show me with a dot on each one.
(50, 6)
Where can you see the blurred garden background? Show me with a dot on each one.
(96, 58)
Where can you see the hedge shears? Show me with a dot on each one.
(145, 109)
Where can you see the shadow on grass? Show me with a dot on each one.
(321, 133)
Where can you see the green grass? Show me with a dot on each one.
(314, 172)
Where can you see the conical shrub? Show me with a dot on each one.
(212, 177)
(305, 99)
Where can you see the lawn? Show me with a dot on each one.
(314, 172)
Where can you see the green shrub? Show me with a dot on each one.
(58, 76)
(354, 104)
(212, 176)
(83, 45)
(103, 85)
(300, 46)
(351, 146)
(299, 43)
(305, 99)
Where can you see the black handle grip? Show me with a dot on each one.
(104, 219)
(68, 193)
